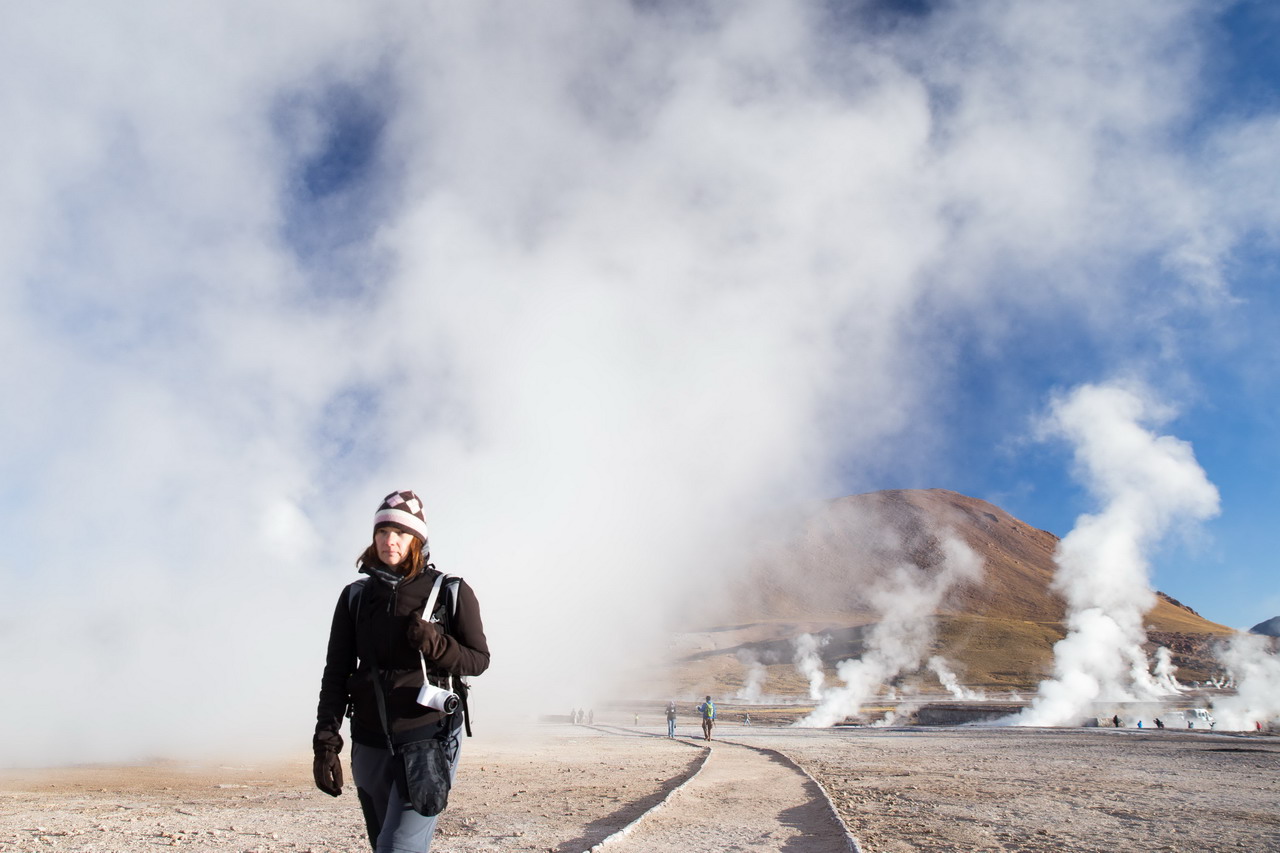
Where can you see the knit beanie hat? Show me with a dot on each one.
(402, 510)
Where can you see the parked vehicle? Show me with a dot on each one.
(1198, 718)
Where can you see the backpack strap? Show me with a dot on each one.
(355, 592)
(447, 588)
(460, 685)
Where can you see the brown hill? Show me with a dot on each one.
(996, 631)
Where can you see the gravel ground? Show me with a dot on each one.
(561, 789)
(1001, 789)
(564, 789)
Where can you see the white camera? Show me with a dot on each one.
(438, 698)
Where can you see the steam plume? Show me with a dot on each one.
(1252, 663)
(809, 663)
(1165, 672)
(1146, 483)
(753, 682)
(947, 678)
(904, 600)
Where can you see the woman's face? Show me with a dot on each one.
(392, 544)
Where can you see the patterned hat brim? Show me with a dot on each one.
(405, 521)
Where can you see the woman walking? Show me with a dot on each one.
(400, 641)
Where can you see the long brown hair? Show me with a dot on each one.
(413, 560)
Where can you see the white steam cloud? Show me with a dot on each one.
(809, 663)
(951, 682)
(1252, 663)
(1165, 672)
(904, 600)
(753, 682)
(599, 279)
(1147, 483)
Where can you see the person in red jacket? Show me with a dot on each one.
(382, 647)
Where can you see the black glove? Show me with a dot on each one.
(327, 770)
(427, 637)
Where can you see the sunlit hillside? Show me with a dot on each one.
(831, 581)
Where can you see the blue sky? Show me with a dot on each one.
(603, 281)
(1217, 365)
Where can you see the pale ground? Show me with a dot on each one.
(569, 788)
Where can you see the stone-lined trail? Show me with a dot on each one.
(743, 799)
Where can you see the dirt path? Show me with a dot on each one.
(742, 799)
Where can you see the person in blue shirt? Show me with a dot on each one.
(708, 711)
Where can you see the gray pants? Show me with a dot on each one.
(393, 825)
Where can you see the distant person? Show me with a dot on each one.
(1139, 723)
(746, 719)
(637, 719)
(591, 717)
(1115, 721)
(671, 719)
(402, 626)
(1159, 723)
(708, 711)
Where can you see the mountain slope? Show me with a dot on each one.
(831, 577)
(1269, 627)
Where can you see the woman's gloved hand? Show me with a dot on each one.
(427, 637)
(327, 770)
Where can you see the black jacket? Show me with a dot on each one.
(380, 635)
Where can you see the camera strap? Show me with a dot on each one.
(427, 610)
